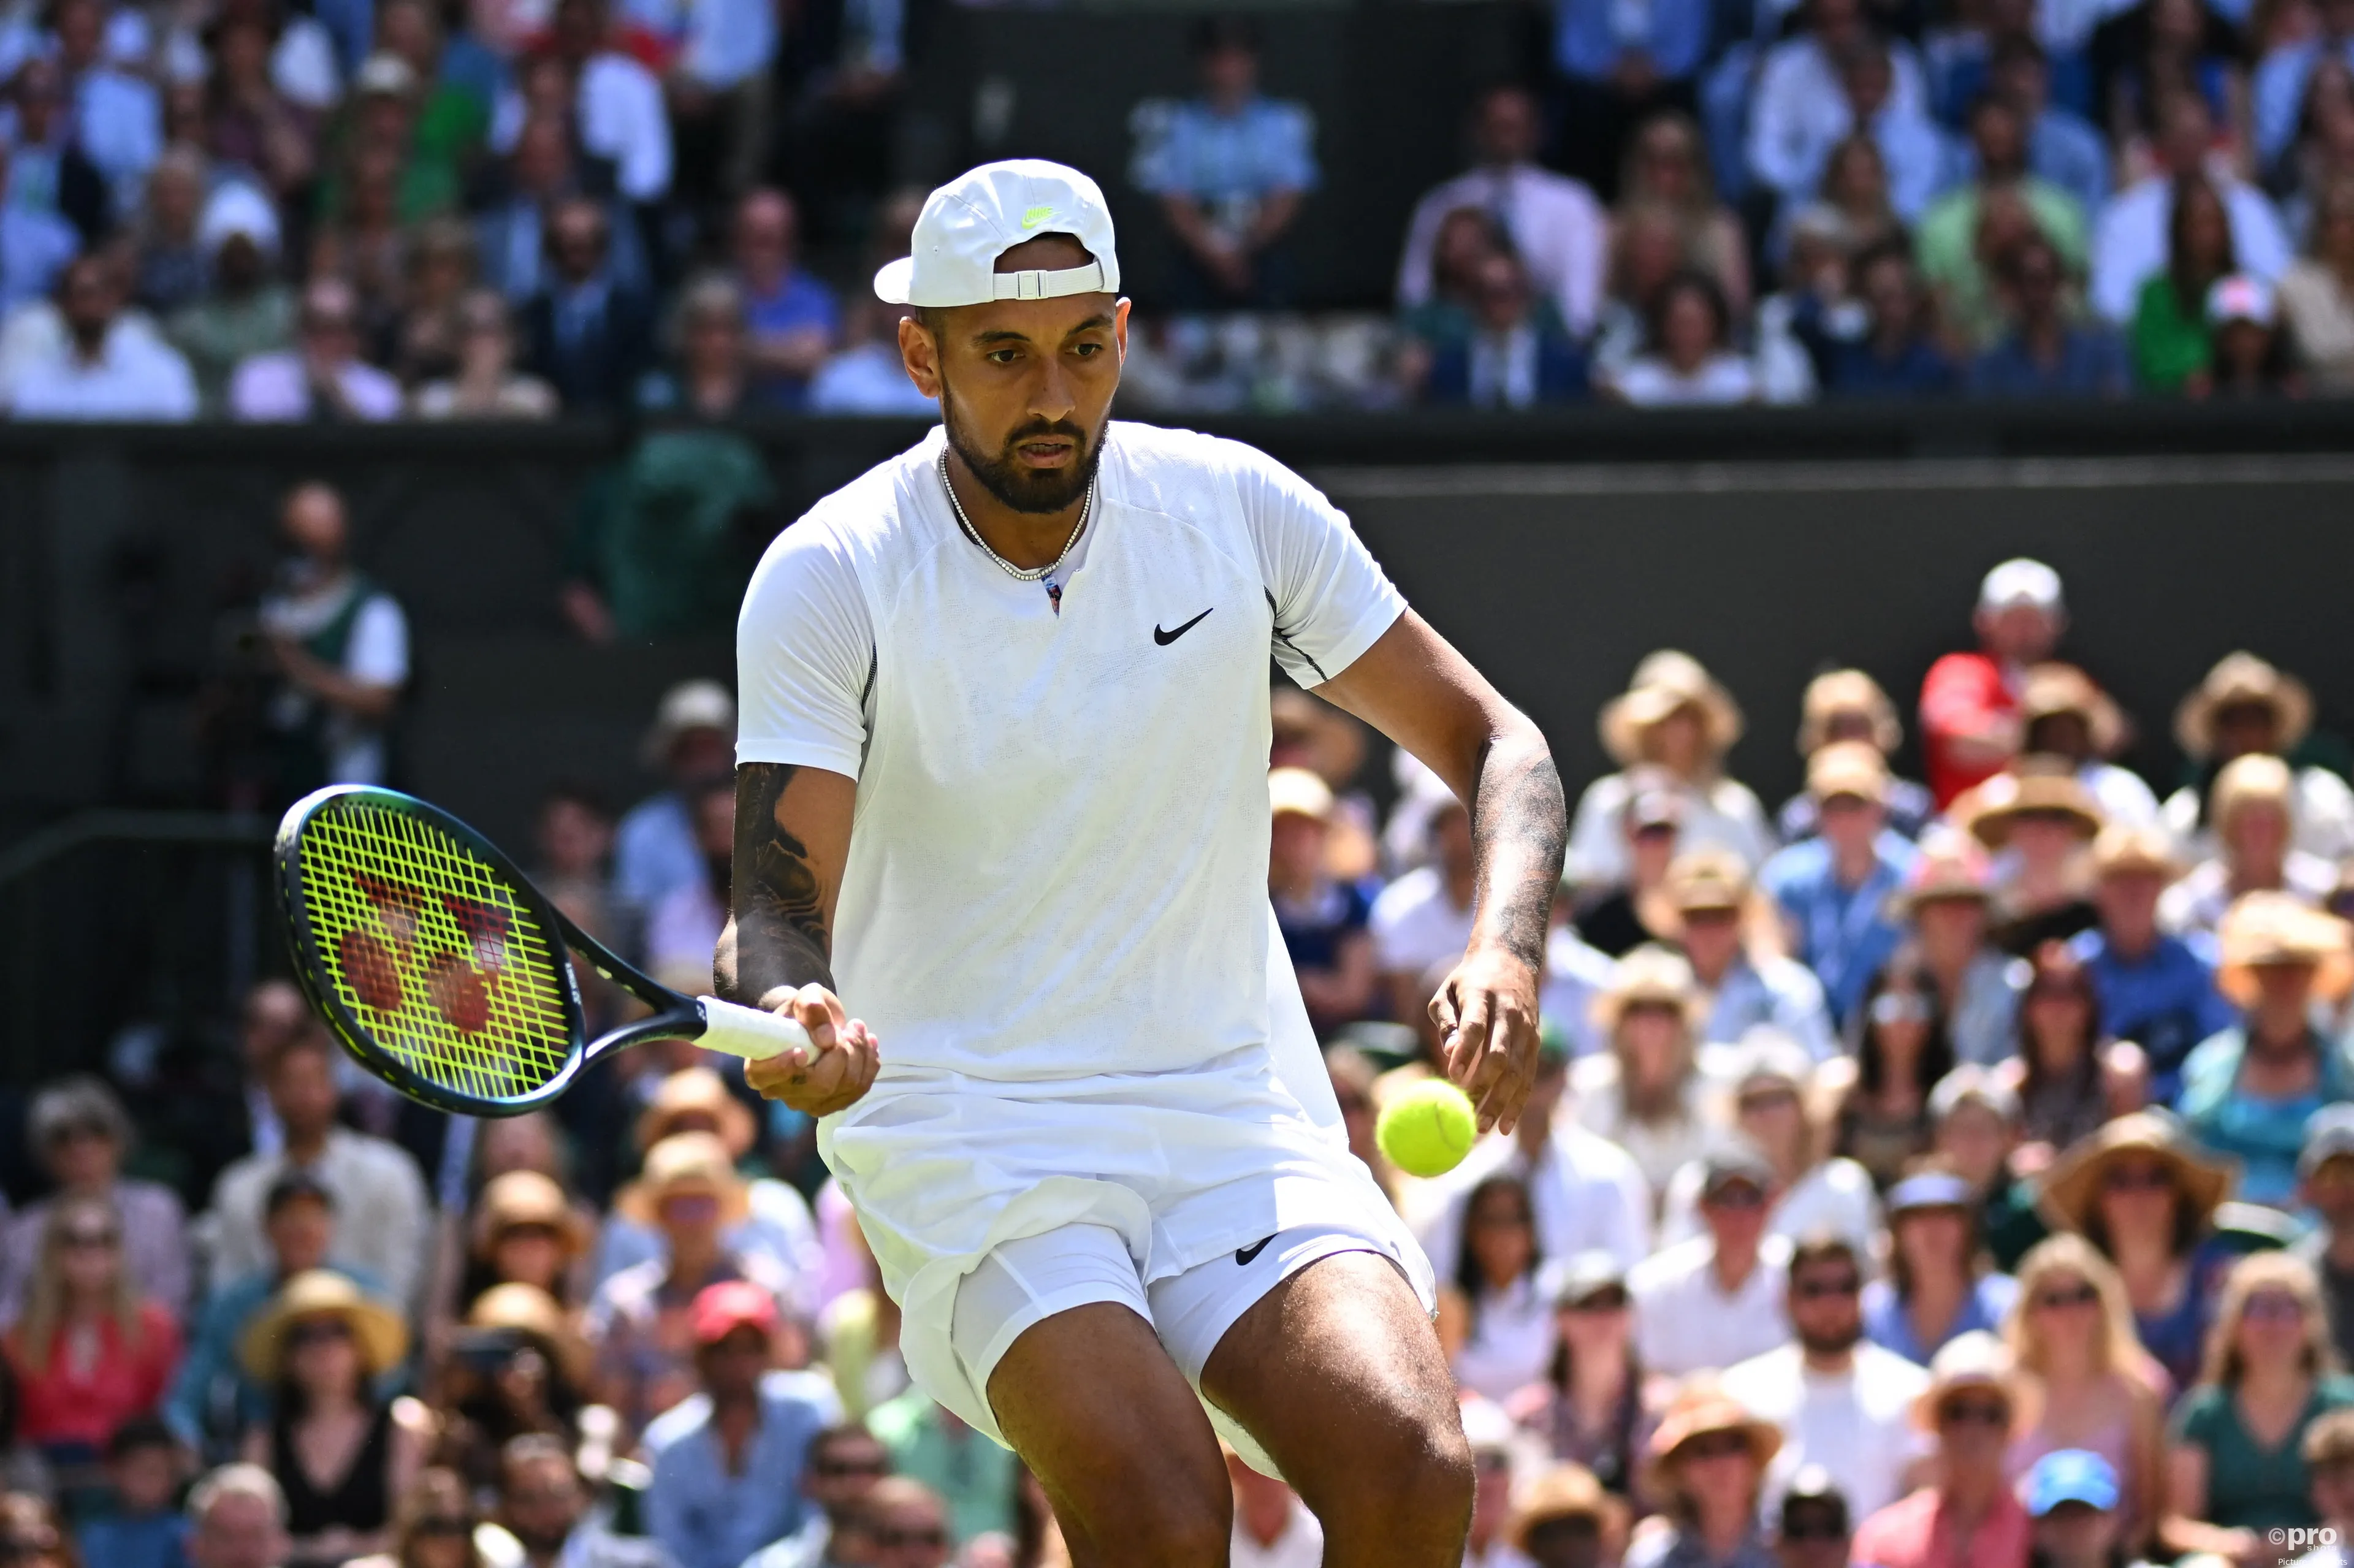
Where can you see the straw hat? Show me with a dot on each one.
(1698, 881)
(1299, 793)
(1973, 1361)
(376, 1328)
(2037, 786)
(1568, 1491)
(2052, 689)
(2258, 779)
(684, 1162)
(2125, 848)
(2276, 928)
(2072, 1186)
(1848, 767)
(1665, 684)
(2243, 679)
(1650, 973)
(528, 1310)
(1839, 691)
(526, 1198)
(696, 1094)
(1953, 870)
(1700, 1409)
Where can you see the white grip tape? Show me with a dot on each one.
(746, 1031)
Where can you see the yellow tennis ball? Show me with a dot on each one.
(1428, 1129)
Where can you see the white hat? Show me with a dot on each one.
(236, 209)
(689, 705)
(386, 73)
(968, 223)
(2018, 582)
(2242, 297)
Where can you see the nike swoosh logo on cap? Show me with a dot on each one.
(1036, 216)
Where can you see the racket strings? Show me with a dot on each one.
(428, 946)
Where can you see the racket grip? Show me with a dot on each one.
(748, 1032)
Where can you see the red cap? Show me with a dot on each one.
(721, 1309)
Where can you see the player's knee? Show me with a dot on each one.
(1408, 1478)
(1169, 1519)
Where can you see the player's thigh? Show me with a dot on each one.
(1053, 1328)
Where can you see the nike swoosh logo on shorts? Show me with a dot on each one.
(1166, 638)
(1243, 1256)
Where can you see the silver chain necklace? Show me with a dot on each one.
(1051, 573)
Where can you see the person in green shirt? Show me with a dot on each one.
(1967, 231)
(2171, 348)
(971, 1474)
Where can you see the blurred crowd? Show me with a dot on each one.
(1940, 1173)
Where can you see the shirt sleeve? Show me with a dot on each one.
(378, 653)
(804, 657)
(1331, 599)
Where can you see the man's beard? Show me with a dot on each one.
(1037, 491)
(1837, 1342)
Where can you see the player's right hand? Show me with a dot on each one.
(838, 1068)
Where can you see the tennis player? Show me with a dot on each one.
(1002, 795)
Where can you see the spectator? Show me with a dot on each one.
(1647, 1093)
(1969, 1515)
(2082, 1380)
(117, 116)
(1322, 917)
(1591, 1408)
(912, 1527)
(89, 1351)
(640, 1319)
(168, 265)
(380, 1198)
(1848, 705)
(841, 1467)
(1516, 354)
(141, 1528)
(2250, 358)
(2246, 706)
(2035, 820)
(1900, 1048)
(617, 101)
(526, 1231)
(2248, 1091)
(250, 121)
(1719, 1298)
(1273, 1529)
(340, 644)
(237, 1519)
(793, 318)
(1974, 992)
(2284, 74)
(1938, 1285)
(517, 1367)
(1839, 1400)
(1710, 1456)
(2147, 1200)
(545, 1506)
(2173, 349)
(423, 341)
(2162, 48)
(1913, 150)
(1974, 1121)
(2317, 292)
(339, 1453)
(245, 311)
(2072, 1497)
(865, 375)
(103, 364)
(321, 378)
(2252, 808)
(1851, 201)
(1229, 170)
(2045, 354)
(932, 1450)
(2236, 1467)
(484, 382)
(1800, 108)
(2063, 146)
(2064, 714)
(1558, 230)
(1729, 933)
(2070, 1077)
(728, 1458)
(53, 173)
(586, 333)
(1969, 702)
(1687, 357)
(693, 742)
(1811, 1528)
(683, 931)
(1949, 252)
(1667, 170)
(79, 1130)
(1614, 920)
(2324, 1185)
(1677, 719)
(453, 112)
(1616, 70)
(544, 169)
(1419, 920)
(1565, 1519)
(1834, 890)
(434, 1526)
(1491, 1436)
(1897, 354)
(1646, 251)
(2153, 988)
(1815, 1193)
(35, 243)
(2329, 1459)
(1494, 1323)
(2138, 240)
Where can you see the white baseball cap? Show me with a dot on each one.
(968, 223)
(2242, 297)
(2020, 582)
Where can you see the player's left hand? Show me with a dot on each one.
(1486, 1011)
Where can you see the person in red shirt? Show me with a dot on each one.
(1969, 1517)
(89, 1353)
(1969, 703)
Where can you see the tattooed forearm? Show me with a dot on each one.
(1519, 823)
(778, 937)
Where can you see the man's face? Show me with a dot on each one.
(2128, 901)
(1025, 385)
(1995, 132)
(844, 1470)
(689, 1213)
(2018, 633)
(911, 1535)
(274, 1014)
(145, 1477)
(1571, 1541)
(1812, 1535)
(1508, 127)
(578, 239)
(732, 1367)
(83, 1155)
(302, 1092)
(1711, 938)
(300, 1232)
(314, 526)
(238, 1532)
(540, 1503)
(2243, 728)
(2330, 1191)
(764, 235)
(1826, 1306)
(1298, 845)
(1849, 823)
(1735, 1214)
(1229, 73)
(1974, 1426)
(87, 302)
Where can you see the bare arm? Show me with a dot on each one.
(792, 839)
(1417, 690)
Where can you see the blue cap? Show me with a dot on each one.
(2068, 1476)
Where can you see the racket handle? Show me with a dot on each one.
(748, 1032)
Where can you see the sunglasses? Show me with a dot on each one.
(1735, 1195)
(1715, 1446)
(2136, 1179)
(1974, 1412)
(1823, 1289)
(1565, 1527)
(1610, 1299)
(936, 1539)
(90, 1240)
(1814, 1527)
(318, 1333)
(839, 1469)
(444, 1526)
(529, 1229)
(2055, 1300)
(2273, 1307)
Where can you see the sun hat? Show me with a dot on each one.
(1929, 1190)
(526, 1198)
(1295, 791)
(968, 223)
(1990, 812)
(1975, 1360)
(2239, 680)
(1764, 1055)
(2329, 1135)
(2068, 1476)
(1837, 692)
(2052, 689)
(2020, 582)
(376, 1328)
(1567, 1491)
(2127, 847)
(1701, 881)
(1734, 1159)
(1649, 973)
(2073, 1185)
(698, 1093)
(2269, 929)
(1848, 767)
(1702, 1408)
(689, 705)
(1954, 869)
(1667, 682)
(529, 1311)
(684, 1162)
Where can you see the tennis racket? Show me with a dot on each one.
(447, 974)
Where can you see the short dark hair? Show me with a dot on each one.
(827, 1437)
(293, 1187)
(1215, 35)
(1823, 1247)
(572, 792)
(139, 1432)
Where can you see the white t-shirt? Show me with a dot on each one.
(1856, 1425)
(1415, 926)
(1058, 868)
(1684, 1323)
(1836, 1196)
(1301, 1545)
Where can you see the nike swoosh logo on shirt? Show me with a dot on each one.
(1241, 1255)
(1166, 638)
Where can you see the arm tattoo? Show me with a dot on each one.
(1519, 824)
(777, 937)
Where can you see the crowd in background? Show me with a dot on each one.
(506, 209)
(1949, 1172)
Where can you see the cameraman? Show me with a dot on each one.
(339, 646)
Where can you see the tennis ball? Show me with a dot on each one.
(1428, 1129)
